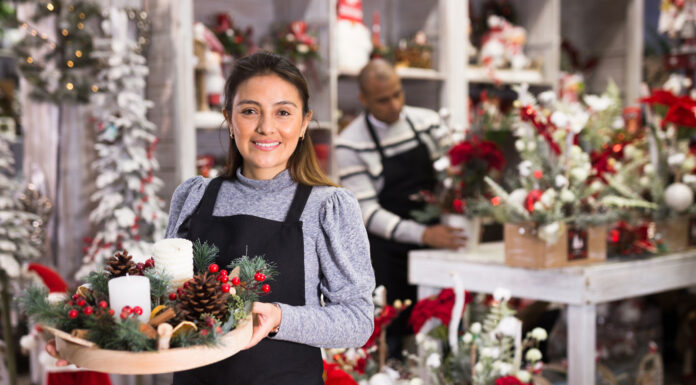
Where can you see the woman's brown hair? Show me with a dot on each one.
(303, 165)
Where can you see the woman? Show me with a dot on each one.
(274, 201)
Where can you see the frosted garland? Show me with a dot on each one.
(129, 214)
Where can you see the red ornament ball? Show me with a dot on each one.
(111, 312)
(260, 277)
(266, 288)
(88, 310)
(138, 310)
(73, 314)
(223, 273)
(226, 287)
(75, 297)
(150, 263)
(224, 279)
(172, 296)
(124, 315)
(186, 285)
(213, 268)
(235, 281)
(127, 310)
(81, 302)
(103, 304)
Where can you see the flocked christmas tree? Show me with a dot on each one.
(129, 213)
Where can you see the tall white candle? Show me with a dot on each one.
(130, 290)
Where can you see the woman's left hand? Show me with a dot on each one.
(267, 316)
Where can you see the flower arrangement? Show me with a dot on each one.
(414, 52)
(677, 18)
(294, 42)
(557, 180)
(489, 352)
(91, 312)
(237, 42)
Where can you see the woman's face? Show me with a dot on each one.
(266, 123)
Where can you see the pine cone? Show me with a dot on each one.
(202, 296)
(121, 264)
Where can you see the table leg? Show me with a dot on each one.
(582, 340)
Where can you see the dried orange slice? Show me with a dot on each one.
(182, 327)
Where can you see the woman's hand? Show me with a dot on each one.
(53, 352)
(444, 237)
(267, 316)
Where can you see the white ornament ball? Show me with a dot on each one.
(518, 196)
(679, 196)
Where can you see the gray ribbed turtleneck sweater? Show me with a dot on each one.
(337, 253)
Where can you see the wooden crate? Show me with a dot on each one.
(674, 233)
(523, 248)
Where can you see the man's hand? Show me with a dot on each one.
(444, 237)
(267, 316)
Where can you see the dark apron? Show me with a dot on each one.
(405, 174)
(271, 361)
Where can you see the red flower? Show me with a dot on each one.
(532, 198)
(681, 109)
(662, 97)
(335, 376)
(458, 206)
(434, 307)
(484, 150)
(508, 380)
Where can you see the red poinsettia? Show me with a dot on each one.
(385, 317)
(484, 150)
(680, 109)
(334, 375)
(529, 114)
(434, 307)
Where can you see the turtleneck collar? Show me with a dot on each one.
(380, 125)
(279, 182)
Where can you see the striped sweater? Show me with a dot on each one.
(360, 167)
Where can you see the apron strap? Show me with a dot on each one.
(209, 197)
(373, 134)
(298, 203)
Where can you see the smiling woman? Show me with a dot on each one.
(273, 200)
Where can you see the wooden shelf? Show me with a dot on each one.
(208, 120)
(505, 76)
(405, 73)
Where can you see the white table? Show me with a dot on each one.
(579, 287)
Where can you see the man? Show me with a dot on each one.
(385, 157)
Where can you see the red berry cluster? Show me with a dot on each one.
(222, 277)
(81, 302)
(127, 311)
(142, 266)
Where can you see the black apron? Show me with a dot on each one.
(271, 361)
(405, 174)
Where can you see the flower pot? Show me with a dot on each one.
(471, 227)
(524, 248)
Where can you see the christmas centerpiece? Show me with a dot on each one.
(557, 214)
(297, 44)
(176, 311)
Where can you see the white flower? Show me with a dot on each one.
(490, 352)
(676, 159)
(578, 121)
(508, 326)
(598, 103)
(519, 145)
(478, 367)
(433, 360)
(503, 368)
(525, 168)
(649, 169)
(538, 206)
(567, 196)
(531, 145)
(501, 294)
(579, 174)
(523, 95)
(430, 344)
(596, 186)
(689, 164)
(442, 163)
(539, 334)
(547, 97)
(618, 123)
(524, 376)
(467, 338)
(548, 197)
(630, 151)
(559, 119)
(533, 355)
(561, 181)
(475, 328)
(302, 48)
(644, 181)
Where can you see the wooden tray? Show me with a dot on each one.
(87, 355)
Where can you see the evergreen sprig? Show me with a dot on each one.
(159, 285)
(249, 266)
(99, 283)
(204, 254)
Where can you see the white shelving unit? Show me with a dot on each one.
(445, 23)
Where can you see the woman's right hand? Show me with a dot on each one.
(53, 352)
(444, 237)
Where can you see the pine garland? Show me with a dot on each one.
(248, 267)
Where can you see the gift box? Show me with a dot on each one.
(524, 248)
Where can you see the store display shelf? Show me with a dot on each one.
(505, 76)
(404, 73)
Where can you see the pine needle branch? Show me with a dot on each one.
(204, 254)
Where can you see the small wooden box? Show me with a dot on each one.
(523, 248)
(674, 233)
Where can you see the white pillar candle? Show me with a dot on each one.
(130, 290)
(174, 256)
